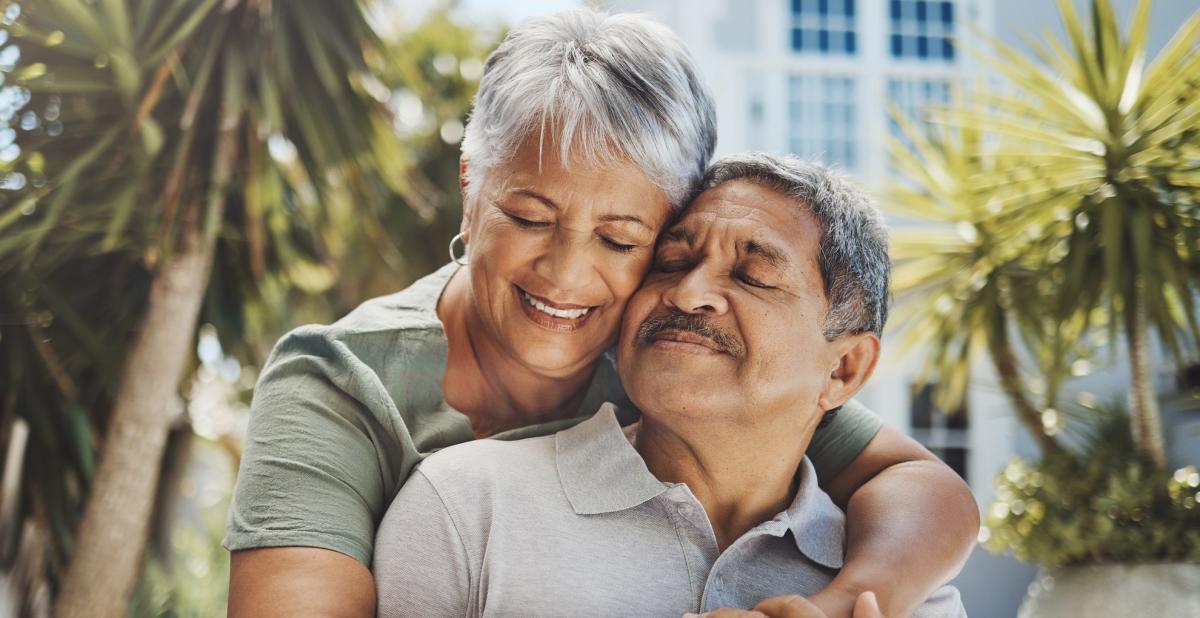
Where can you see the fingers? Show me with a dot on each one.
(867, 606)
(727, 612)
(791, 606)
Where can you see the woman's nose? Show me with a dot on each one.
(567, 264)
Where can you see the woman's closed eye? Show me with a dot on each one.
(617, 246)
(526, 223)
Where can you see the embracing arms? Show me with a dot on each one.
(910, 524)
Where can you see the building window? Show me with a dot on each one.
(913, 97)
(823, 119)
(922, 29)
(943, 433)
(824, 26)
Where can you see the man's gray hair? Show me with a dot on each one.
(853, 255)
(610, 87)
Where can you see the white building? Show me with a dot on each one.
(813, 77)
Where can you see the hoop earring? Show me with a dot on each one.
(464, 259)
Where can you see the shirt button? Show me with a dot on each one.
(685, 510)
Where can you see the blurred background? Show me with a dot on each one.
(183, 181)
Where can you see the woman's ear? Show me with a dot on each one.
(468, 206)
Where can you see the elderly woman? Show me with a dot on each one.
(589, 133)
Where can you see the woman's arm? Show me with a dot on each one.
(911, 522)
(299, 581)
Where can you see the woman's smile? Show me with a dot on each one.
(556, 317)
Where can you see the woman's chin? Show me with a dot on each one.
(555, 360)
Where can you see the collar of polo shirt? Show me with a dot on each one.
(601, 472)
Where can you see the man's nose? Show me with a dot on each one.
(697, 292)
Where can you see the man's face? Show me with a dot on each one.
(728, 323)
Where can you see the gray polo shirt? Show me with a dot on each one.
(575, 524)
(342, 414)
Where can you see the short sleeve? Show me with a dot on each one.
(319, 466)
(836, 444)
(421, 566)
(945, 602)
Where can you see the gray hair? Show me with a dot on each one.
(853, 254)
(613, 87)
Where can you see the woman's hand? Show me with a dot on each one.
(794, 606)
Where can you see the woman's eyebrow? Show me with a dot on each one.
(530, 193)
(631, 218)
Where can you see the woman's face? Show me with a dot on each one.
(555, 254)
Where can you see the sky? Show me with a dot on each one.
(513, 11)
(391, 13)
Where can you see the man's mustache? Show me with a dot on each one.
(677, 320)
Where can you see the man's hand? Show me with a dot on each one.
(795, 606)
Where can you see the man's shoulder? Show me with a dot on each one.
(492, 467)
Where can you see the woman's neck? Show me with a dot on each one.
(507, 394)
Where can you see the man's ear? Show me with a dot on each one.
(859, 354)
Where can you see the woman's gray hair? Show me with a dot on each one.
(853, 255)
(611, 87)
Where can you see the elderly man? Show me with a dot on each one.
(761, 315)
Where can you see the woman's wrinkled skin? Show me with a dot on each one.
(556, 250)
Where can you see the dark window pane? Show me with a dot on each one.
(897, 50)
(1187, 378)
(947, 12)
(920, 411)
(850, 43)
(922, 47)
(824, 44)
(954, 457)
(850, 8)
(947, 49)
(823, 7)
(958, 420)
(797, 39)
(895, 10)
(796, 6)
(921, 10)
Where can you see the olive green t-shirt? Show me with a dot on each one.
(342, 413)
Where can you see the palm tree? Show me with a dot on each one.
(161, 134)
(963, 289)
(1094, 160)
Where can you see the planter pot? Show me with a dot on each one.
(1116, 590)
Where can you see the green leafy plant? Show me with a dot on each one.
(1096, 504)
(1060, 214)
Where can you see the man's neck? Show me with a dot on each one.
(506, 395)
(742, 477)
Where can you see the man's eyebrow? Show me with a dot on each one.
(679, 234)
(766, 251)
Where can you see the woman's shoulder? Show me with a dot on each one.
(378, 329)
(413, 308)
